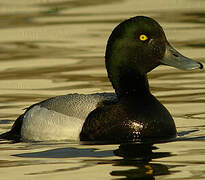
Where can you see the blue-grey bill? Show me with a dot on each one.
(173, 58)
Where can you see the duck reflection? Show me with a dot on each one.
(139, 156)
(141, 151)
(136, 159)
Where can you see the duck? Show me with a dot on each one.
(131, 113)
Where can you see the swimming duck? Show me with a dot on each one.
(134, 48)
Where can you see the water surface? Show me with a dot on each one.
(55, 47)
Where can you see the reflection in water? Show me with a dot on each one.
(67, 153)
(141, 151)
(136, 155)
(139, 156)
(142, 171)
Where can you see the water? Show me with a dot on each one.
(55, 47)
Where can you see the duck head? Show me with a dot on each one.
(135, 47)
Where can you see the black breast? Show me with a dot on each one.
(129, 119)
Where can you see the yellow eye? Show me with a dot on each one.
(143, 37)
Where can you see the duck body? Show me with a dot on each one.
(57, 118)
(132, 113)
(130, 119)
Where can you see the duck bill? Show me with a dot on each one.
(173, 58)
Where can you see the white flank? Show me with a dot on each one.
(41, 124)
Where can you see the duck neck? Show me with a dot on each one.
(131, 83)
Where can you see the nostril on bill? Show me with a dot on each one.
(175, 55)
(201, 66)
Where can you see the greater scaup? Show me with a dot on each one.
(135, 47)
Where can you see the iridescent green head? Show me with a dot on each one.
(135, 47)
